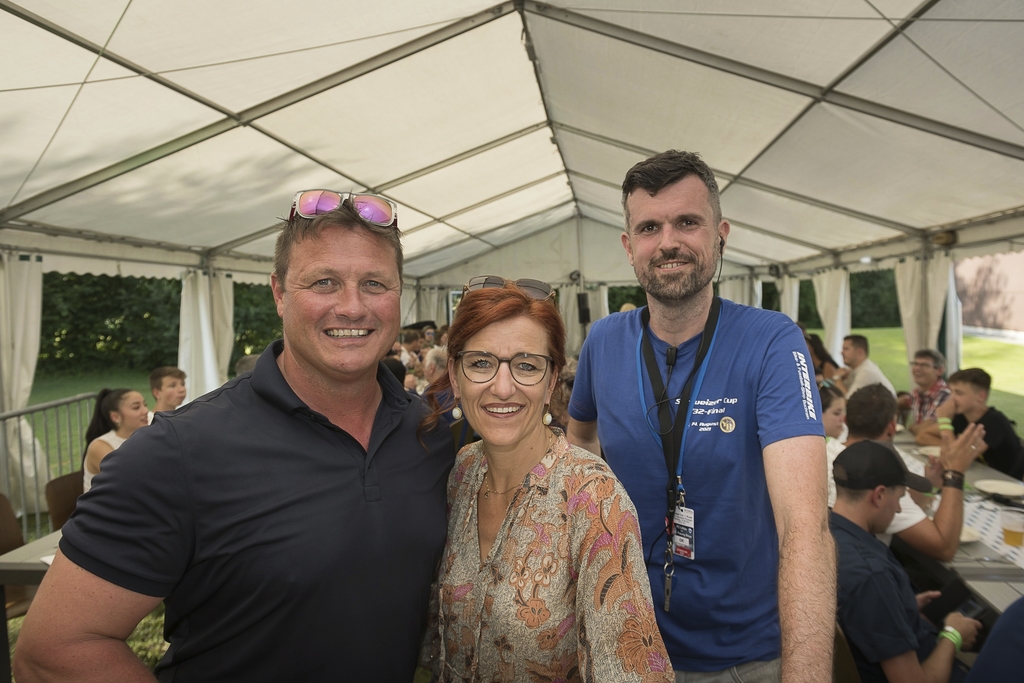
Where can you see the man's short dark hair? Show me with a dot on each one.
(344, 216)
(156, 378)
(937, 359)
(411, 336)
(976, 377)
(858, 341)
(658, 172)
(870, 410)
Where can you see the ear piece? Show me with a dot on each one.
(721, 246)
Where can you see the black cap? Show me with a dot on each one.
(867, 464)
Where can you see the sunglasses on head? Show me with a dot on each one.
(372, 208)
(535, 289)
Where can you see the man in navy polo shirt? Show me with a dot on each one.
(291, 520)
(878, 611)
(744, 579)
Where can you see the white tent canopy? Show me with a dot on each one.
(165, 138)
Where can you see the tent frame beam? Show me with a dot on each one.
(754, 184)
(233, 121)
(794, 85)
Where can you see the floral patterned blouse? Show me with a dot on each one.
(563, 594)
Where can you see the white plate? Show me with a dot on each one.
(930, 451)
(969, 535)
(1000, 486)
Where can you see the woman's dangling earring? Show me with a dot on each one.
(547, 416)
(457, 412)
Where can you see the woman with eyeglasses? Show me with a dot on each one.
(543, 576)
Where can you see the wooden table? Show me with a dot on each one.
(22, 567)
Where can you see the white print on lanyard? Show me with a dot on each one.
(682, 532)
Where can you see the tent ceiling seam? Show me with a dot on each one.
(756, 184)
(531, 54)
(777, 80)
(245, 117)
(462, 156)
(91, 236)
(412, 261)
(784, 238)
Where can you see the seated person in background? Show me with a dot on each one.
(412, 342)
(861, 370)
(429, 337)
(931, 391)
(442, 335)
(833, 419)
(825, 367)
(168, 386)
(246, 363)
(871, 415)
(435, 364)
(969, 404)
(878, 611)
(118, 413)
(903, 407)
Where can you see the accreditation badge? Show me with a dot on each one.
(682, 532)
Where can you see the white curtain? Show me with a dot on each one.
(954, 326)
(921, 287)
(756, 292)
(601, 311)
(789, 296)
(736, 290)
(832, 292)
(206, 333)
(569, 308)
(21, 305)
(432, 304)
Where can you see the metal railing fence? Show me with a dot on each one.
(37, 444)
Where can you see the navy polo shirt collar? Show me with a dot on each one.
(862, 536)
(270, 384)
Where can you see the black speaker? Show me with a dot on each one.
(583, 303)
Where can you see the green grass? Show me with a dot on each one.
(1003, 360)
(46, 389)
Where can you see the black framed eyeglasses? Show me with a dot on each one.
(535, 289)
(527, 368)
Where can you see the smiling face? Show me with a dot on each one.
(834, 417)
(673, 239)
(339, 304)
(925, 372)
(130, 414)
(504, 412)
(968, 399)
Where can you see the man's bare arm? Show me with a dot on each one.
(584, 435)
(795, 471)
(940, 538)
(77, 627)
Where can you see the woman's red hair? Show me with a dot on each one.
(480, 308)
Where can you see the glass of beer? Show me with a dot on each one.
(1013, 527)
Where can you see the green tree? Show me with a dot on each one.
(620, 295)
(770, 297)
(808, 308)
(873, 299)
(92, 322)
(256, 320)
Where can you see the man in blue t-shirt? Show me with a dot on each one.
(744, 580)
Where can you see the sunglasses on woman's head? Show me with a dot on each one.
(372, 208)
(535, 289)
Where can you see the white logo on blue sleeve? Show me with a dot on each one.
(805, 385)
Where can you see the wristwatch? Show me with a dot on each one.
(953, 479)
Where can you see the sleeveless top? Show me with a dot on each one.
(114, 441)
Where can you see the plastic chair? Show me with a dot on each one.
(18, 598)
(61, 496)
(844, 667)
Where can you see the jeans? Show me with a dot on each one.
(751, 672)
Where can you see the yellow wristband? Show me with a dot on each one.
(945, 428)
(944, 420)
